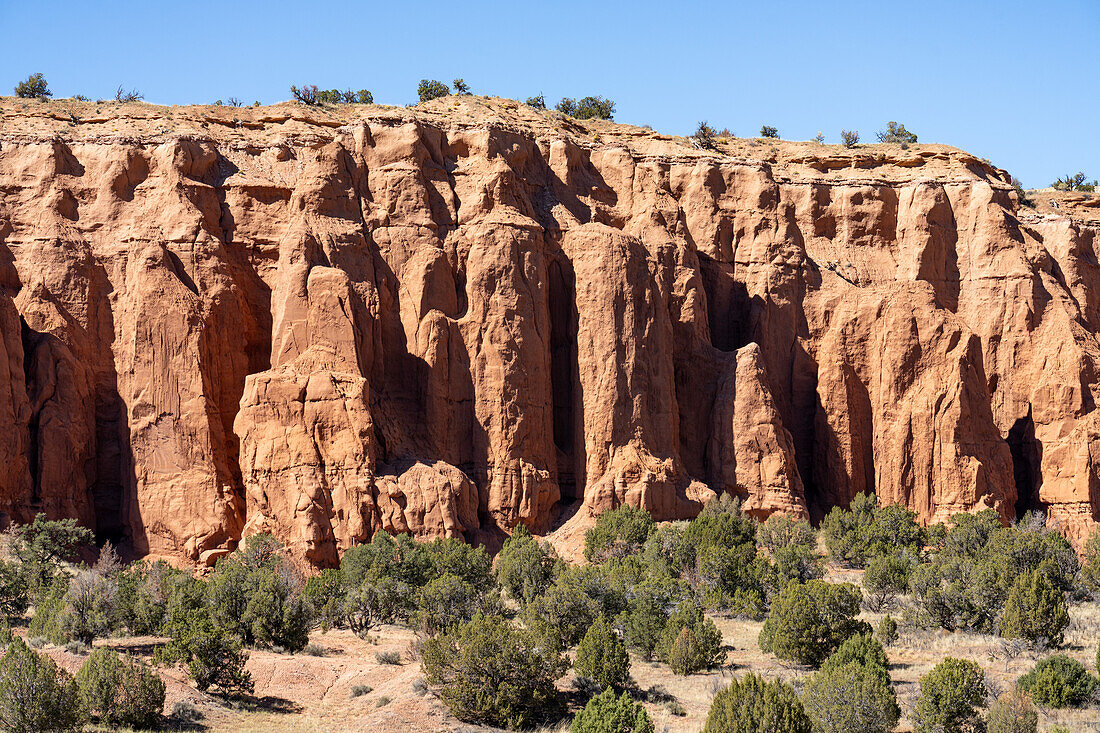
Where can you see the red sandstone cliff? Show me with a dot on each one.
(458, 317)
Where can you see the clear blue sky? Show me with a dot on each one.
(1015, 82)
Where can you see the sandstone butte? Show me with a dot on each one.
(459, 317)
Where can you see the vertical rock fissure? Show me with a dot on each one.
(1025, 450)
(564, 378)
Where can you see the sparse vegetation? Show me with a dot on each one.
(307, 94)
(310, 95)
(33, 87)
(1012, 712)
(850, 138)
(430, 89)
(705, 137)
(587, 108)
(124, 95)
(769, 132)
(461, 87)
(895, 132)
(537, 102)
(1074, 182)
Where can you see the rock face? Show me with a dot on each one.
(458, 318)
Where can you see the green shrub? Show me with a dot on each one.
(1012, 713)
(256, 595)
(1035, 610)
(326, 594)
(276, 613)
(850, 696)
(120, 693)
(47, 612)
(44, 545)
(865, 530)
(1058, 682)
(666, 552)
(308, 94)
(849, 137)
(587, 108)
(525, 567)
(950, 696)
(705, 137)
(579, 595)
(388, 657)
(14, 596)
(846, 530)
(213, 654)
(1074, 182)
(780, 530)
(448, 600)
(488, 672)
(751, 705)
(896, 133)
(35, 695)
(538, 102)
(726, 576)
(606, 713)
(601, 656)
(886, 577)
(33, 87)
(862, 649)
(88, 608)
(796, 562)
(690, 641)
(455, 557)
(360, 690)
(967, 581)
(887, 631)
(378, 600)
(808, 621)
(618, 533)
(430, 89)
(721, 524)
(461, 87)
(768, 131)
(144, 590)
(647, 616)
(1090, 570)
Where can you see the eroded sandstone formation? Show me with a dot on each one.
(453, 319)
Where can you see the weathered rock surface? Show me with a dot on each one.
(452, 319)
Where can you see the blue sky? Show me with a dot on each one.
(1015, 82)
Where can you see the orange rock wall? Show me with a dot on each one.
(403, 325)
